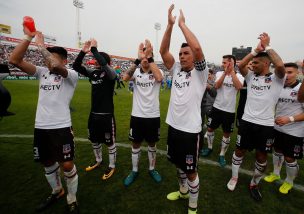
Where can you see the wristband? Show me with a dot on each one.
(27, 38)
(150, 60)
(254, 53)
(291, 118)
(137, 62)
(268, 48)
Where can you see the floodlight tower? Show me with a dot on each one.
(157, 27)
(79, 5)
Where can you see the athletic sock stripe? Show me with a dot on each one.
(71, 175)
(193, 192)
(135, 152)
(193, 187)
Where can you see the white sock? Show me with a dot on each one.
(182, 181)
(258, 172)
(152, 157)
(193, 192)
(210, 138)
(292, 170)
(235, 166)
(71, 179)
(135, 159)
(225, 145)
(112, 155)
(52, 174)
(278, 160)
(97, 149)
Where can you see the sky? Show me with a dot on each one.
(120, 26)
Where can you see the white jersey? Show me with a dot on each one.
(55, 94)
(145, 95)
(262, 95)
(226, 95)
(288, 105)
(184, 112)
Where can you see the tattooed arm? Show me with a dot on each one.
(129, 73)
(274, 57)
(55, 65)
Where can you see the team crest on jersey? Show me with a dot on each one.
(107, 135)
(188, 75)
(293, 93)
(189, 159)
(151, 77)
(66, 148)
(57, 78)
(297, 149)
(269, 142)
(268, 80)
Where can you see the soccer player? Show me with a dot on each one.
(289, 126)
(145, 116)
(101, 124)
(227, 83)
(53, 134)
(207, 103)
(188, 86)
(256, 127)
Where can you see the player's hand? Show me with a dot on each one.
(171, 18)
(181, 18)
(281, 121)
(93, 43)
(149, 49)
(86, 46)
(229, 67)
(39, 39)
(259, 48)
(26, 31)
(265, 40)
(141, 53)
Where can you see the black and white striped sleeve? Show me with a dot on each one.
(200, 65)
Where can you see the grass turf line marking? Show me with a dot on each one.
(162, 152)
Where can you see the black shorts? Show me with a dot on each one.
(102, 128)
(54, 145)
(290, 146)
(219, 117)
(147, 129)
(253, 136)
(183, 149)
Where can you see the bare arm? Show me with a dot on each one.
(54, 64)
(220, 81)
(165, 44)
(236, 82)
(283, 120)
(129, 73)
(301, 93)
(18, 53)
(191, 39)
(155, 70)
(274, 57)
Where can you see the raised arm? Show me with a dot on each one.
(129, 73)
(301, 93)
(191, 39)
(77, 65)
(53, 63)
(274, 57)
(16, 58)
(102, 61)
(155, 70)
(165, 44)
(244, 62)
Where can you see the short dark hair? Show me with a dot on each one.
(58, 50)
(184, 45)
(211, 71)
(262, 54)
(291, 65)
(229, 56)
(106, 57)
